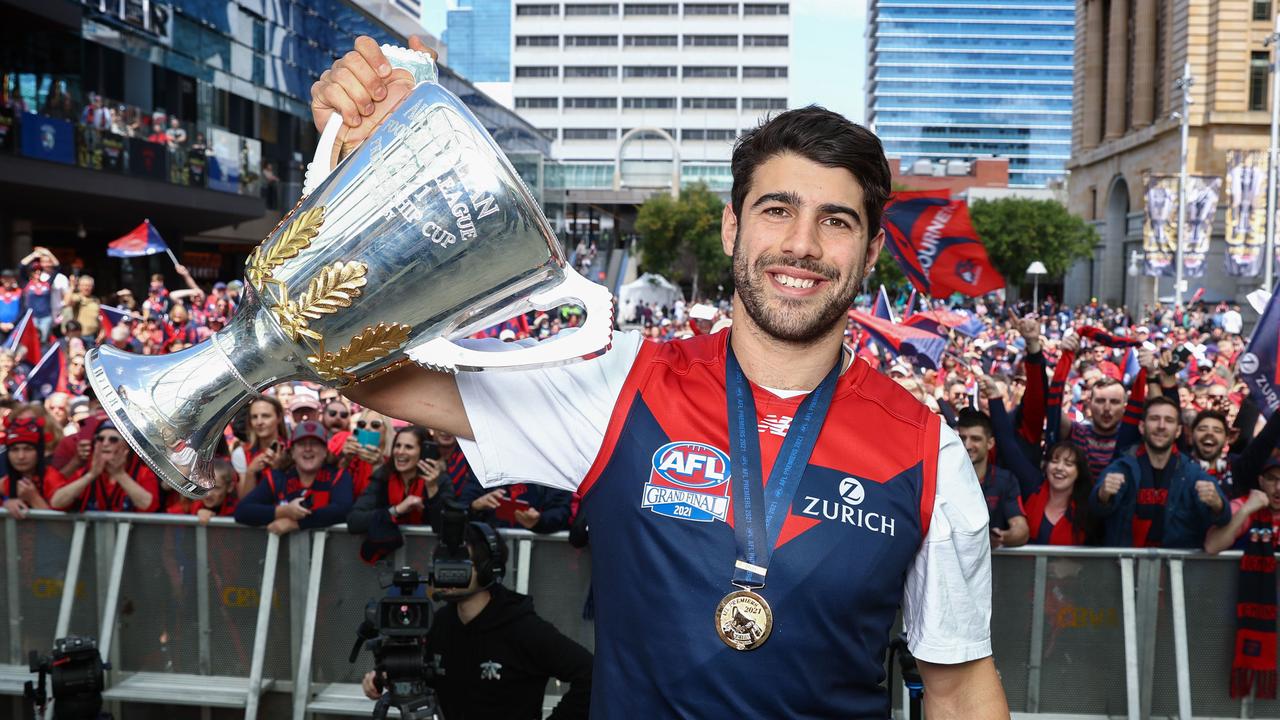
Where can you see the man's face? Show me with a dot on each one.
(800, 248)
(46, 264)
(958, 395)
(328, 395)
(85, 285)
(109, 443)
(976, 442)
(303, 414)
(1269, 483)
(218, 493)
(9, 281)
(308, 454)
(336, 417)
(444, 439)
(1099, 353)
(1160, 427)
(58, 407)
(1106, 406)
(1208, 438)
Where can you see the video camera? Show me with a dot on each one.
(74, 669)
(395, 630)
(451, 563)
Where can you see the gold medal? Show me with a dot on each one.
(744, 620)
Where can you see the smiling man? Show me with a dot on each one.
(742, 568)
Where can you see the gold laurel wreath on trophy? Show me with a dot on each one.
(335, 287)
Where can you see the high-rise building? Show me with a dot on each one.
(1130, 54)
(478, 34)
(955, 80)
(647, 82)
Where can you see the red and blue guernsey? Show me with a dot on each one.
(657, 480)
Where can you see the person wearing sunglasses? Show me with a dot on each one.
(336, 417)
(363, 449)
(77, 379)
(115, 481)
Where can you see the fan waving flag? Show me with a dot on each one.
(903, 339)
(933, 240)
(25, 335)
(47, 377)
(140, 241)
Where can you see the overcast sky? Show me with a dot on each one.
(828, 51)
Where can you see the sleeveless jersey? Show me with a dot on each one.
(657, 501)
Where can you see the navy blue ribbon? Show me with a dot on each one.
(758, 512)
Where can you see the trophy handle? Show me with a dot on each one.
(419, 64)
(592, 338)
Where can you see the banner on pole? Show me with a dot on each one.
(1202, 206)
(1160, 225)
(1246, 211)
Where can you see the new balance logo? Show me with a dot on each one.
(776, 424)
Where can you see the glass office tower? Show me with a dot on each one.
(478, 34)
(960, 79)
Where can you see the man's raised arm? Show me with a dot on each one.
(423, 397)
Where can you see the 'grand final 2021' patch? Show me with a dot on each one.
(689, 481)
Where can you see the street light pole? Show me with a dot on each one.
(1184, 84)
(1269, 260)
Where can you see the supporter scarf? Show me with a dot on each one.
(1254, 664)
(1102, 337)
(396, 493)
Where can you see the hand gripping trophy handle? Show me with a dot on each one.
(423, 234)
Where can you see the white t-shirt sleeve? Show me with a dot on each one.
(543, 426)
(239, 462)
(947, 604)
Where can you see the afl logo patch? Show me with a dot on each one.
(688, 481)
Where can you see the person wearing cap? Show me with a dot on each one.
(311, 494)
(78, 410)
(116, 479)
(30, 480)
(303, 408)
(11, 306)
(44, 288)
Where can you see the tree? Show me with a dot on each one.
(1019, 231)
(680, 238)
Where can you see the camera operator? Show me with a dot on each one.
(493, 652)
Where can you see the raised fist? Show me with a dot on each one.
(1111, 485)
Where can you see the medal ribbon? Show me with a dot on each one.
(758, 511)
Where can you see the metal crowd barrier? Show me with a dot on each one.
(225, 616)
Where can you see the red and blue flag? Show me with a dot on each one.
(47, 377)
(898, 339)
(138, 242)
(933, 241)
(25, 335)
(882, 309)
(1258, 363)
(109, 317)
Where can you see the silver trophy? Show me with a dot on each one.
(423, 235)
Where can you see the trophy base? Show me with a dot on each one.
(179, 467)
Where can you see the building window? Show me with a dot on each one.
(705, 103)
(648, 103)
(590, 71)
(764, 40)
(1259, 63)
(537, 71)
(646, 9)
(764, 72)
(649, 40)
(537, 103)
(590, 40)
(766, 9)
(710, 9)
(537, 41)
(764, 103)
(649, 134)
(711, 41)
(1261, 9)
(540, 9)
(590, 134)
(591, 103)
(592, 9)
(711, 134)
(710, 71)
(648, 71)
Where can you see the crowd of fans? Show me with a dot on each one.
(1085, 425)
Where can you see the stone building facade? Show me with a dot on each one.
(1128, 55)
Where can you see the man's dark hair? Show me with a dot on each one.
(969, 418)
(824, 137)
(1161, 400)
(1210, 415)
